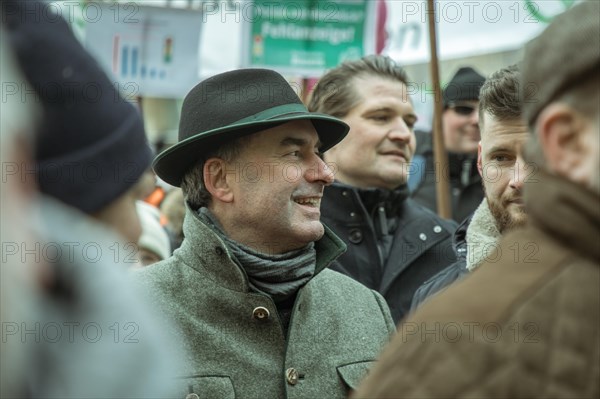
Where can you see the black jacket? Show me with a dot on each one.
(419, 243)
(466, 189)
(450, 274)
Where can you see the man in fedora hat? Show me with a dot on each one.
(253, 305)
(526, 324)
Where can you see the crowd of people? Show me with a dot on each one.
(290, 249)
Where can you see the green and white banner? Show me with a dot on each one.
(305, 37)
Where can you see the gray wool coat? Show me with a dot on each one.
(233, 340)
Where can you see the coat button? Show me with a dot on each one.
(261, 313)
(422, 237)
(345, 193)
(355, 236)
(219, 251)
(192, 396)
(291, 376)
(437, 229)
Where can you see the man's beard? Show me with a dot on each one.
(505, 220)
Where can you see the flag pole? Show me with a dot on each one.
(439, 151)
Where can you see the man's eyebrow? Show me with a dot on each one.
(381, 108)
(299, 142)
(499, 148)
(385, 108)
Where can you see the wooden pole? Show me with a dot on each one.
(440, 155)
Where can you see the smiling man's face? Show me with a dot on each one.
(503, 169)
(277, 183)
(381, 141)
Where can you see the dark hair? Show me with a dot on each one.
(192, 183)
(334, 94)
(500, 96)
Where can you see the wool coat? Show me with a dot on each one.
(233, 338)
(526, 324)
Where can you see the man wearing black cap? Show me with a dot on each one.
(527, 323)
(253, 304)
(460, 122)
(91, 150)
(73, 325)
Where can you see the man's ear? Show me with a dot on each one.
(479, 160)
(215, 179)
(559, 128)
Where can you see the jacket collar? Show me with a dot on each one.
(565, 210)
(205, 252)
(459, 238)
(482, 236)
(372, 198)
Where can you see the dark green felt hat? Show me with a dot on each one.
(234, 104)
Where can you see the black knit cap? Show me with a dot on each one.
(464, 86)
(233, 104)
(91, 146)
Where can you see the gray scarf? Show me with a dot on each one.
(279, 276)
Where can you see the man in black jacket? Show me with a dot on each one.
(461, 135)
(394, 244)
(503, 172)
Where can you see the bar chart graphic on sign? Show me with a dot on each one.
(158, 52)
(129, 63)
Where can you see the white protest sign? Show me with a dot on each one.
(466, 27)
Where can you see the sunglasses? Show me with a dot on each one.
(464, 110)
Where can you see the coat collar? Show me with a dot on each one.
(205, 252)
(482, 236)
(565, 210)
(372, 198)
(459, 239)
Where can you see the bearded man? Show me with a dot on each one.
(502, 170)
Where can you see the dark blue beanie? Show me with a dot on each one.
(464, 86)
(91, 146)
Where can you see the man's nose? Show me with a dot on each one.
(399, 131)
(521, 171)
(474, 117)
(320, 172)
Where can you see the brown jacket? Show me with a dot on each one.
(524, 325)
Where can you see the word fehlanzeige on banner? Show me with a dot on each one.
(305, 37)
(150, 51)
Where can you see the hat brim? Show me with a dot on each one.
(171, 164)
